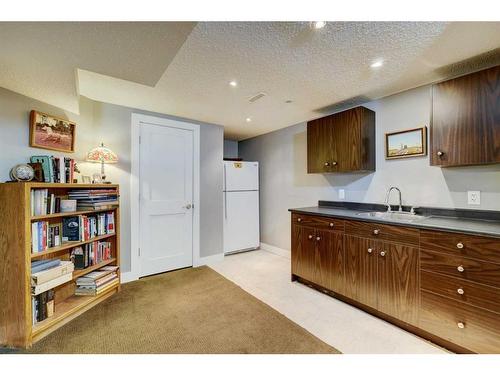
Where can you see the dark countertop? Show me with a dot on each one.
(451, 223)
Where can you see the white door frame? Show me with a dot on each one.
(137, 119)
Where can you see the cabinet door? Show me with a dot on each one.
(303, 252)
(330, 260)
(465, 128)
(398, 281)
(321, 150)
(361, 269)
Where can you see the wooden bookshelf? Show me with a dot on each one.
(16, 328)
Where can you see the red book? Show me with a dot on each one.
(44, 235)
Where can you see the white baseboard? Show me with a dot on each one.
(206, 261)
(127, 277)
(275, 250)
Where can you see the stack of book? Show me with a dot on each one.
(83, 228)
(97, 282)
(56, 169)
(43, 203)
(96, 199)
(45, 235)
(91, 254)
(45, 276)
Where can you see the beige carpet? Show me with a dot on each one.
(194, 310)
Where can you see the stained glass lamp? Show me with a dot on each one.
(103, 155)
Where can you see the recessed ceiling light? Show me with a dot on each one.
(248, 119)
(233, 83)
(318, 24)
(377, 64)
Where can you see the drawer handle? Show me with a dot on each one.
(370, 250)
(327, 164)
(334, 163)
(460, 291)
(461, 325)
(376, 231)
(310, 236)
(299, 219)
(318, 238)
(460, 245)
(440, 153)
(331, 224)
(460, 269)
(382, 253)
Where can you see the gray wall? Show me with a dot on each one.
(230, 149)
(285, 182)
(111, 124)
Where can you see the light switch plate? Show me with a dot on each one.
(474, 197)
(341, 194)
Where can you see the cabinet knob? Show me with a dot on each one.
(376, 231)
(440, 153)
(334, 163)
(318, 238)
(460, 291)
(327, 164)
(299, 219)
(461, 325)
(331, 224)
(382, 253)
(370, 250)
(460, 245)
(310, 236)
(460, 269)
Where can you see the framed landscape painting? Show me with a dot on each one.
(51, 133)
(406, 143)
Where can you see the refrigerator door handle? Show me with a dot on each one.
(225, 205)
(225, 178)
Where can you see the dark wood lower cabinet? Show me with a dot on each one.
(444, 289)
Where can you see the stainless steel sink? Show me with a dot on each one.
(392, 216)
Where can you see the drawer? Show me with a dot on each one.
(383, 232)
(482, 248)
(465, 291)
(460, 267)
(470, 327)
(318, 222)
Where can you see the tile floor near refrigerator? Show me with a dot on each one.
(266, 275)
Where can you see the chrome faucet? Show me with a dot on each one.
(389, 209)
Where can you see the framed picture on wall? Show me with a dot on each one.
(51, 133)
(406, 143)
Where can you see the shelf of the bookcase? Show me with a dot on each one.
(75, 213)
(69, 245)
(51, 185)
(69, 309)
(80, 273)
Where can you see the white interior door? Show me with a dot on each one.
(166, 197)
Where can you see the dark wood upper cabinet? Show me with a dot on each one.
(465, 124)
(342, 142)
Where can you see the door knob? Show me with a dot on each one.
(310, 236)
(318, 238)
(327, 164)
(299, 219)
(460, 245)
(440, 153)
(334, 163)
(376, 231)
(331, 224)
(460, 291)
(188, 206)
(370, 250)
(460, 269)
(382, 253)
(461, 325)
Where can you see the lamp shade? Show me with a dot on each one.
(102, 154)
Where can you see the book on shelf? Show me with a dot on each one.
(56, 169)
(44, 276)
(42, 306)
(44, 203)
(45, 264)
(91, 254)
(86, 227)
(37, 289)
(94, 199)
(45, 235)
(97, 282)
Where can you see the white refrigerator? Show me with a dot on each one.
(241, 206)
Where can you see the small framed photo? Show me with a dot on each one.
(406, 143)
(51, 133)
(86, 180)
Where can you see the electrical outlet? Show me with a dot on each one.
(474, 197)
(341, 194)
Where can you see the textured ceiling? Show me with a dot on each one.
(319, 70)
(40, 59)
